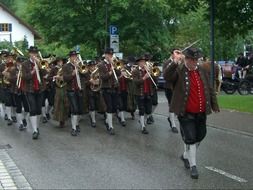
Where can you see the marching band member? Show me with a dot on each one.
(109, 87)
(61, 105)
(193, 98)
(93, 91)
(48, 93)
(2, 90)
(74, 90)
(150, 118)
(32, 74)
(21, 100)
(143, 91)
(9, 93)
(168, 87)
(123, 94)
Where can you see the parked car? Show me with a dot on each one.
(161, 80)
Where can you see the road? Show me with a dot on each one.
(96, 160)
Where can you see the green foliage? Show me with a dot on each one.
(153, 26)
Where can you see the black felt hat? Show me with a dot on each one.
(142, 57)
(193, 53)
(33, 49)
(108, 51)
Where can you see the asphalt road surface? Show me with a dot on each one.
(96, 160)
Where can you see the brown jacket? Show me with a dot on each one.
(139, 82)
(67, 70)
(178, 75)
(167, 85)
(107, 80)
(28, 78)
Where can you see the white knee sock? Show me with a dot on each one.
(2, 110)
(186, 150)
(74, 121)
(48, 109)
(122, 117)
(43, 110)
(192, 155)
(172, 119)
(19, 118)
(93, 116)
(106, 119)
(142, 121)
(109, 119)
(34, 123)
(13, 111)
(8, 112)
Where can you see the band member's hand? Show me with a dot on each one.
(110, 73)
(145, 76)
(74, 72)
(33, 71)
(177, 56)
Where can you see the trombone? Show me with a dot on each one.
(149, 69)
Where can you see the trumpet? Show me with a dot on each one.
(126, 74)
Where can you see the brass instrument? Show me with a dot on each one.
(83, 68)
(59, 81)
(118, 64)
(17, 51)
(19, 77)
(44, 64)
(97, 82)
(5, 78)
(155, 71)
(127, 74)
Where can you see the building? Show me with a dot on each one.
(13, 29)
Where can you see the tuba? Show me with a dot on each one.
(60, 82)
(95, 76)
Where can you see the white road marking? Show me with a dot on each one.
(231, 176)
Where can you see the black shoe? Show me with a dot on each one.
(73, 132)
(93, 124)
(194, 172)
(112, 132)
(186, 162)
(9, 122)
(133, 117)
(169, 122)
(123, 123)
(21, 127)
(24, 122)
(36, 135)
(107, 126)
(44, 120)
(48, 116)
(78, 129)
(149, 121)
(144, 131)
(5, 117)
(174, 130)
(14, 119)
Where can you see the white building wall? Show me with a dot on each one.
(18, 30)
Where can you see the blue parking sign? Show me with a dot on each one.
(113, 30)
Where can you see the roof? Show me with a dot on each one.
(36, 35)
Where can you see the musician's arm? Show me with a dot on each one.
(170, 72)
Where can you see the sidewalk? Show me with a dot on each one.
(227, 119)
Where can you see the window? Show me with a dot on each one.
(5, 27)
